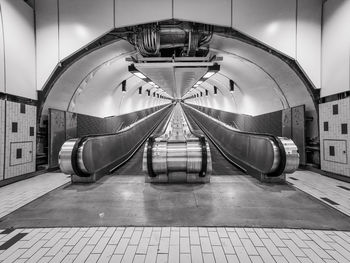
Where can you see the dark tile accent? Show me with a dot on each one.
(22, 108)
(335, 109)
(331, 151)
(31, 131)
(325, 126)
(293, 178)
(329, 201)
(19, 153)
(18, 99)
(344, 128)
(7, 231)
(12, 241)
(14, 127)
(344, 187)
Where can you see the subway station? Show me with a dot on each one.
(175, 131)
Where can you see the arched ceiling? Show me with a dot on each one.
(92, 85)
(264, 83)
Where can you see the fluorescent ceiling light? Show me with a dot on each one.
(152, 83)
(140, 75)
(199, 82)
(208, 74)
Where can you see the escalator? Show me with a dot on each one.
(89, 158)
(262, 155)
(182, 145)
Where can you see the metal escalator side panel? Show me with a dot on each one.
(249, 150)
(103, 153)
(97, 154)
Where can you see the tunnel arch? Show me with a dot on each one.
(276, 81)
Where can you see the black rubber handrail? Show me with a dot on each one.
(274, 138)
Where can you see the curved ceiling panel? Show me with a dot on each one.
(287, 82)
(65, 87)
(264, 83)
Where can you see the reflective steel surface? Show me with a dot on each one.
(177, 153)
(99, 154)
(65, 156)
(262, 153)
(292, 155)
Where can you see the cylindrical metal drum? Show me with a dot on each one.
(159, 157)
(194, 156)
(80, 159)
(292, 155)
(176, 156)
(65, 156)
(276, 157)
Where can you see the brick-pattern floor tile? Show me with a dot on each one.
(173, 245)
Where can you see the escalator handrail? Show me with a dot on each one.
(274, 138)
(81, 140)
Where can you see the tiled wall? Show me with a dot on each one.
(18, 133)
(334, 136)
(2, 138)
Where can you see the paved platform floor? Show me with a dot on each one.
(280, 223)
(332, 192)
(173, 244)
(18, 194)
(118, 200)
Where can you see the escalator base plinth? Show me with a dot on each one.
(266, 179)
(79, 179)
(174, 178)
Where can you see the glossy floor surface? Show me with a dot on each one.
(123, 199)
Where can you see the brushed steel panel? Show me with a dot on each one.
(298, 130)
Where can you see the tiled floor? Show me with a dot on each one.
(320, 186)
(18, 194)
(165, 244)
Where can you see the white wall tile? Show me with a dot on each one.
(2, 137)
(20, 139)
(340, 163)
